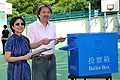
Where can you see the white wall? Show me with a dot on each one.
(81, 25)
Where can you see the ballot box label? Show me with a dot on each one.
(98, 60)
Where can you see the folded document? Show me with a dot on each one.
(39, 51)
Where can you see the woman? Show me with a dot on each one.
(16, 49)
(4, 37)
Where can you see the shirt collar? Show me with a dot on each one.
(41, 23)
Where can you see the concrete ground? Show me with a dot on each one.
(62, 64)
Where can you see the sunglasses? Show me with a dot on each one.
(22, 24)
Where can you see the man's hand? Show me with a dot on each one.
(61, 40)
(46, 41)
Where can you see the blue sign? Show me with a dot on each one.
(92, 54)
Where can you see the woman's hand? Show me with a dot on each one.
(9, 58)
(27, 57)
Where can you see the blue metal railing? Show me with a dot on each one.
(67, 15)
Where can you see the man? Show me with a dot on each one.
(40, 34)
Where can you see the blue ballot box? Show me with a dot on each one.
(92, 54)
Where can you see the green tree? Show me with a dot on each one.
(24, 8)
(96, 4)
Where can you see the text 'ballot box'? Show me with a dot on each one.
(92, 54)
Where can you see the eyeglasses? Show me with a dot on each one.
(22, 23)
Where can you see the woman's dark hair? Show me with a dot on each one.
(12, 21)
(5, 26)
(40, 7)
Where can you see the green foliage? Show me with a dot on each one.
(25, 8)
